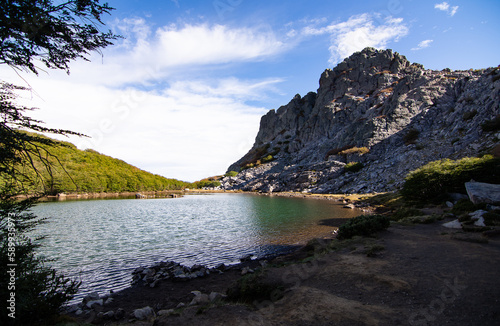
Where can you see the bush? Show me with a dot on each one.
(40, 291)
(434, 180)
(231, 174)
(406, 212)
(268, 158)
(252, 287)
(355, 150)
(364, 225)
(353, 167)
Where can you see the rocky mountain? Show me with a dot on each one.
(374, 118)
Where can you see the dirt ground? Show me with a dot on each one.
(407, 275)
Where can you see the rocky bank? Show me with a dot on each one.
(378, 110)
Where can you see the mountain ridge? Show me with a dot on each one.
(377, 110)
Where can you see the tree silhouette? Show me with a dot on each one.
(54, 34)
(34, 31)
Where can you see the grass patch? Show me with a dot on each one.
(253, 287)
(405, 212)
(373, 250)
(363, 225)
(355, 150)
(353, 167)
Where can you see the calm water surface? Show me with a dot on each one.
(101, 241)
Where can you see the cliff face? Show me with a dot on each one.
(377, 109)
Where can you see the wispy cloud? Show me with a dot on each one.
(358, 32)
(422, 45)
(445, 6)
(147, 55)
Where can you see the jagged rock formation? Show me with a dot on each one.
(375, 109)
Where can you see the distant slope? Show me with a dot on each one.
(77, 171)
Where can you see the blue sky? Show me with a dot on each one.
(182, 94)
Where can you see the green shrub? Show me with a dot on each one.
(252, 287)
(353, 167)
(268, 158)
(364, 225)
(231, 174)
(355, 150)
(492, 218)
(406, 212)
(463, 206)
(432, 181)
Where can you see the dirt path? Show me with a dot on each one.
(408, 275)
(421, 277)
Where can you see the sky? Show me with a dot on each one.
(182, 94)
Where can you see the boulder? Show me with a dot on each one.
(143, 313)
(199, 298)
(480, 192)
(453, 225)
(90, 297)
(119, 314)
(94, 303)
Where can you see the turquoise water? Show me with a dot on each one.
(101, 241)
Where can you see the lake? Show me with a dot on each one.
(100, 242)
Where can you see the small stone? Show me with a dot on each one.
(119, 314)
(109, 314)
(99, 302)
(214, 296)
(165, 312)
(90, 297)
(449, 204)
(181, 304)
(79, 312)
(246, 270)
(199, 298)
(143, 313)
(453, 225)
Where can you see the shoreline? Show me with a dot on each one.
(386, 280)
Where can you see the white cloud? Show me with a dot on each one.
(146, 56)
(358, 32)
(189, 130)
(422, 45)
(445, 6)
(145, 102)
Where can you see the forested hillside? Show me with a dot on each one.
(75, 171)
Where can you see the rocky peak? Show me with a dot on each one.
(372, 100)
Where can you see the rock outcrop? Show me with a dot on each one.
(379, 114)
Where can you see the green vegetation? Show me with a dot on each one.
(353, 167)
(34, 33)
(268, 158)
(433, 181)
(73, 170)
(354, 150)
(231, 174)
(363, 225)
(205, 183)
(253, 287)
